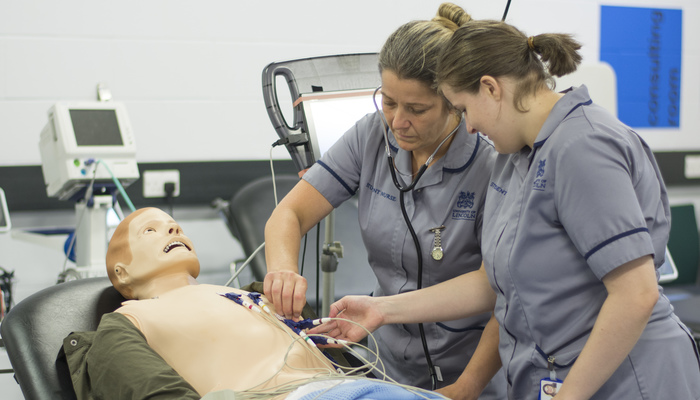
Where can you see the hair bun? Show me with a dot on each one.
(452, 15)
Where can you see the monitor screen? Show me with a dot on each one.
(96, 127)
(329, 115)
(84, 142)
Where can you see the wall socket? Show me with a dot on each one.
(154, 182)
(692, 167)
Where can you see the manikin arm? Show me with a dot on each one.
(301, 209)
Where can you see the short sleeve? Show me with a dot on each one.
(596, 199)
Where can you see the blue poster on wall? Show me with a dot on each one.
(644, 47)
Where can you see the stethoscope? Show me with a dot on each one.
(402, 191)
(392, 167)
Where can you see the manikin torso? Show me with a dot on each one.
(216, 344)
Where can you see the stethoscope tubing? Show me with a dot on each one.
(402, 190)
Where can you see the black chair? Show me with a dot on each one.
(248, 211)
(251, 206)
(33, 332)
(684, 246)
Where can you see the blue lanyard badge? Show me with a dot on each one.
(549, 388)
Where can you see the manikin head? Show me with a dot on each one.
(148, 246)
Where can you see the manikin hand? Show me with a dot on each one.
(360, 309)
(287, 292)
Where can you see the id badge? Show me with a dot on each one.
(549, 388)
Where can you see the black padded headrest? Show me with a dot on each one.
(33, 332)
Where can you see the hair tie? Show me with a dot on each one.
(531, 43)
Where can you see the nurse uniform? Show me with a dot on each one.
(451, 193)
(586, 199)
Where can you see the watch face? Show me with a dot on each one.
(437, 254)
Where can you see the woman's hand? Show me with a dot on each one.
(287, 292)
(362, 310)
(464, 296)
(302, 208)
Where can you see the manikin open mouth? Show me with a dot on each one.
(174, 245)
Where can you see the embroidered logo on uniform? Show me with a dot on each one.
(465, 202)
(540, 183)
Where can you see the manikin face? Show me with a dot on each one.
(159, 248)
(418, 117)
(488, 115)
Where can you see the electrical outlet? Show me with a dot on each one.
(692, 167)
(154, 182)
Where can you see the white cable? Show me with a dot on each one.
(249, 259)
(272, 172)
(120, 188)
(245, 264)
(259, 394)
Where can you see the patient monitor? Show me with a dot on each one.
(75, 136)
(87, 153)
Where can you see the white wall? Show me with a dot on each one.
(190, 71)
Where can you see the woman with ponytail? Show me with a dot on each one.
(576, 223)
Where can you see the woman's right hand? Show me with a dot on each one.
(362, 310)
(302, 208)
(287, 292)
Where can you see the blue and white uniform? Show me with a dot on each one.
(450, 193)
(586, 199)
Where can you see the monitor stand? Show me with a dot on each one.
(91, 236)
